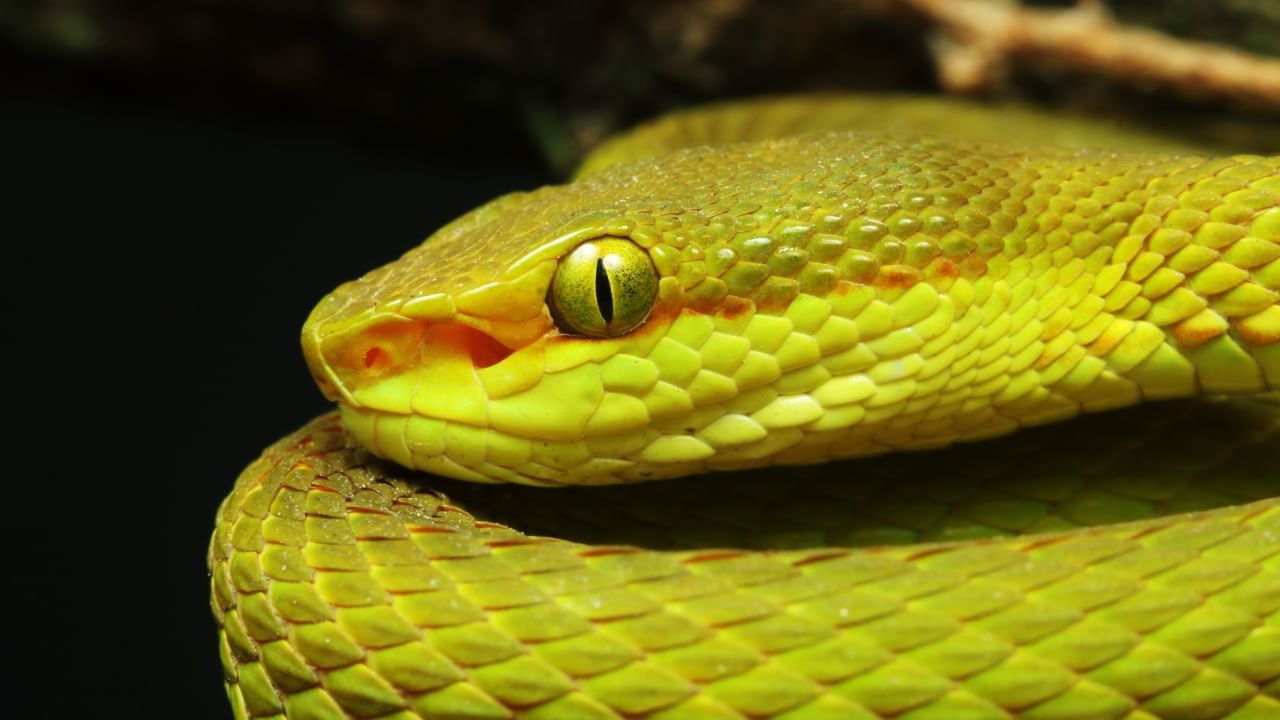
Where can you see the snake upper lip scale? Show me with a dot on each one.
(752, 285)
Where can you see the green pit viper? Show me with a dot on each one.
(745, 286)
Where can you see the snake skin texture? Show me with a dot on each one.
(845, 296)
(347, 587)
(821, 297)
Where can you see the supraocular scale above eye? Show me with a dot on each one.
(605, 287)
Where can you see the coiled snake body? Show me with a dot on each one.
(801, 297)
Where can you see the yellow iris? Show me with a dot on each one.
(605, 287)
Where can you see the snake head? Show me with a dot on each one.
(508, 346)
(803, 299)
(458, 359)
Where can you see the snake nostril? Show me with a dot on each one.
(376, 358)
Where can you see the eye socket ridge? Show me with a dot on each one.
(604, 287)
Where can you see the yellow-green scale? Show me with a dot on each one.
(846, 294)
(819, 297)
(348, 587)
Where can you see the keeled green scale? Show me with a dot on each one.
(818, 297)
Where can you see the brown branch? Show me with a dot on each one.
(980, 36)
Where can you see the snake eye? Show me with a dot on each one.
(603, 288)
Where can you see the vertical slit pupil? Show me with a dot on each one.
(604, 294)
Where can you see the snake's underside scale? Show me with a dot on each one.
(749, 288)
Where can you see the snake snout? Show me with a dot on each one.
(382, 365)
(345, 360)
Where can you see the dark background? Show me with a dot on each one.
(165, 256)
(185, 180)
(170, 254)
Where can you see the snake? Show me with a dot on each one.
(965, 428)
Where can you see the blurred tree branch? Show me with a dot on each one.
(562, 74)
(981, 38)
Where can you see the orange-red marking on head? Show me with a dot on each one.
(733, 307)
(896, 276)
(942, 268)
(973, 266)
